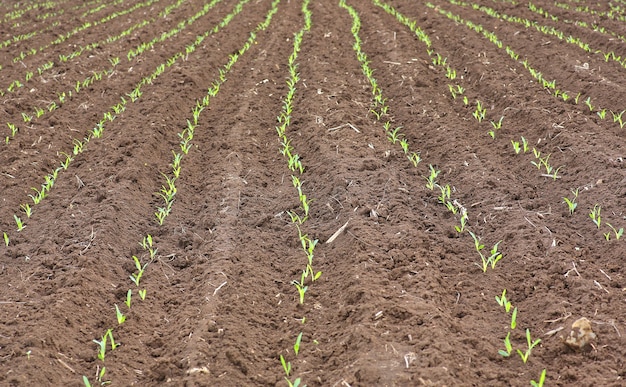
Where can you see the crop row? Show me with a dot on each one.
(169, 190)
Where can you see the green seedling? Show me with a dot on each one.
(595, 215)
(607, 236)
(142, 294)
(129, 295)
(571, 203)
(465, 100)
(102, 345)
(531, 345)
(492, 259)
(617, 117)
(516, 146)
(394, 136)
(524, 145)
(514, 318)
(463, 221)
(588, 103)
(120, 316)
(86, 381)
(602, 113)
(136, 277)
(502, 301)
(445, 193)
(101, 376)
(480, 112)
(577, 98)
(296, 346)
(286, 365)
(542, 379)
(414, 158)
(295, 383)
(18, 221)
(618, 233)
(405, 145)
(430, 180)
(27, 209)
(498, 124)
(6, 239)
(507, 345)
(300, 286)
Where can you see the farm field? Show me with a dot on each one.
(312, 192)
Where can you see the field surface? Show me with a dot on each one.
(319, 192)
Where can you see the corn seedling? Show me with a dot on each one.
(295, 383)
(13, 128)
(300, 286)
(507, 345)
(577, 98)
(594, 214)
(571, 203)
(524, 145)
(6, 239)
(516, 146)
(463, 221)
(18, 221)
(68, 159)
(430, 180)
(588, 103)
(27, 209)
(601, 113)
(498, 124)
(502, 301)
(120, 316)
(296, 346)
(492, 259)
(445, 193)
(286, 365)
(142, 294)
(414, 158)
(136, 277)
(618, 233)
(102, 345)
(531, 345)
(129, 295)
(617, 117)
(514, 318)
(480, 112)
(542, 379)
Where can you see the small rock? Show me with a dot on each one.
(581, 334)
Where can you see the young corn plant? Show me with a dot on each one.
(20, 224)
(300, 286)
(502, 301)
(480, 112)
(507, 345)
(464, 218)
(136, 277)
(542, 379)
(431, 179)
(494, 254)
(120, 316)
(531, 344)
(618, 233)
(571, 203)
(595, 216)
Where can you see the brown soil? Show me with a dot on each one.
(401, 300)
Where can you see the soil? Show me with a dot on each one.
(402, 299)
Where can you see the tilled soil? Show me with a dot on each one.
(402, 299)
